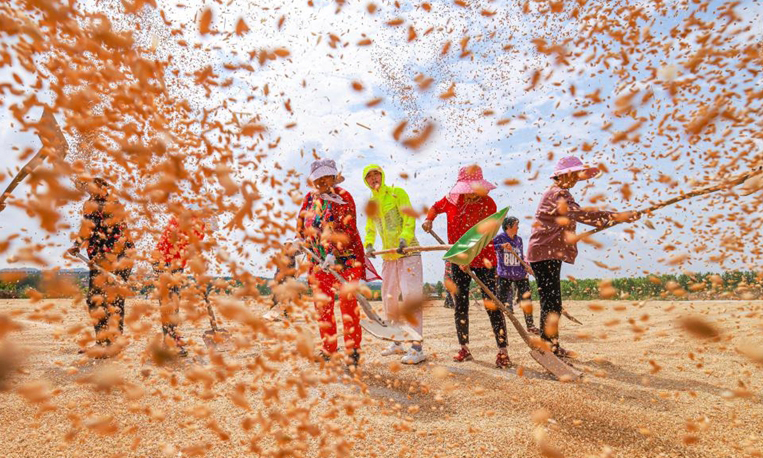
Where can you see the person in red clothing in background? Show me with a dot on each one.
(180, 241)
(327, 224)
(466, 205)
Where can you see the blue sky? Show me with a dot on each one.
(327, 112)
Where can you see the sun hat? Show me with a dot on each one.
(322, 168)
(571, 164)
(469, 181)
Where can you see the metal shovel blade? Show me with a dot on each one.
(393, 333)
(549, 361)
(218, 340)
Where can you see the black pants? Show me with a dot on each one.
(507, 288)
(497, 320)
(100, 295)
(548, 275)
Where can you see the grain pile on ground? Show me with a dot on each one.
(650, 390)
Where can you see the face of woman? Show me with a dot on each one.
(471, 197)
(568, 181)
(324, 184)
(374, 179)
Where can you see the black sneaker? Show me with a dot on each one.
(322, 356)
(354, 357)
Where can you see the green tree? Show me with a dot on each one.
(427, 289)
(439, 289)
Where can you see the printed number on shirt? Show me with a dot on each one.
(510, 259)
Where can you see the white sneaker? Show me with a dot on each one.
(394, 349)
(414, 357)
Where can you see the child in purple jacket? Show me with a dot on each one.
(512, 275)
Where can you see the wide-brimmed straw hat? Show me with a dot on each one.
(571, 164)
(470, 180)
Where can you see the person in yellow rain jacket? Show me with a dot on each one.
(401, 273)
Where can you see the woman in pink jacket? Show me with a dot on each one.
(553, 240)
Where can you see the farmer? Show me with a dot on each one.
(466, 205)
(327, 224)
(401, 273)
(180, 242)
(104, 235)
(512, 276)
(553, 240)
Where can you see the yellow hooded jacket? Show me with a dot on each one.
(391, 224)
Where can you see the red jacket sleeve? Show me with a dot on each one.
(437, 208)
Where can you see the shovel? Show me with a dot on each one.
(463, 253)
(217, 339)
(377, 327)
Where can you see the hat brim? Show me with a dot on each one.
(321, 172)
(469, 187)
(583, 172)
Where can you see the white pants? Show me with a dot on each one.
(404, 276)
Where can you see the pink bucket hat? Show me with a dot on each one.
(469, 181)
(571, 164)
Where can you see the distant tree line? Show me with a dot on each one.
(728, 285)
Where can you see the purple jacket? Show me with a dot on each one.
(508, 264)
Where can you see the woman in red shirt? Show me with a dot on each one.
(179, 242)
(466, 205)
(327, 223)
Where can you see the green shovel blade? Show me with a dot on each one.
(475, 239)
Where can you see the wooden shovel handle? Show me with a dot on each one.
(530, 270)
(436, 237)
(503, 308)
(521, 261)
(697, 192)
(415, 249)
